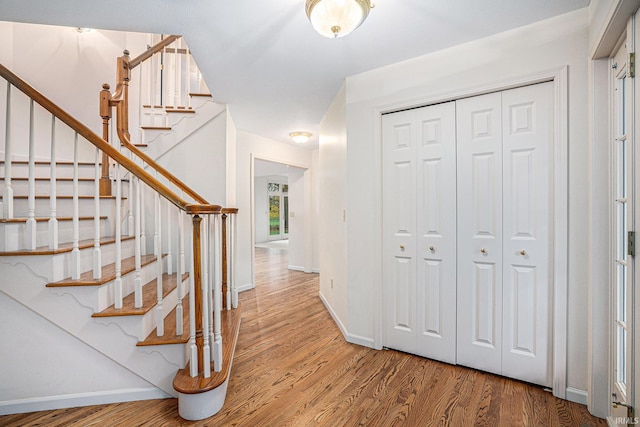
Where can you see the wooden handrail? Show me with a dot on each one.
(104, 146)
(120, 100)
(152, 51)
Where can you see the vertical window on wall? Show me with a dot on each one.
(278, 209)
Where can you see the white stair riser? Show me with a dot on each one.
(142, 326)
(57, 267)
(13, 236)
(99, 298)
(64, 207)
(44, 170)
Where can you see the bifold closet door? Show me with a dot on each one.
(504, 226)
(527, 117)
(479, 337)
(419, 231)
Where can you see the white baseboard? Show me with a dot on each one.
(295, 268)
(35, 404)
(245, 287)
(352, 338)
(315, 270)
(577, 396)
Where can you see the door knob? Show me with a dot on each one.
(402, 247)
(432, 249)
(483, 250)
(523, 252)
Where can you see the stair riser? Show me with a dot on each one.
(64, 207)
(142, 326)
(99, 298)
(44, 170)
(13, 236)
(63, 188)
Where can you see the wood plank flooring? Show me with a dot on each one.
(292, 367)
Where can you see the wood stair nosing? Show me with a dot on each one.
(204, 95)
(182, 110)
(64, 247)
(108, 273)
(155, 127)
(149, 298)
(44, 219)
(184, 383)
(170, 334)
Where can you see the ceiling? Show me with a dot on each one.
(266, 62)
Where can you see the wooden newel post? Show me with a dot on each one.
(224, 261)
(105, 113)
(197, 285)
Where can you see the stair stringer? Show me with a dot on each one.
(161, 141)
(23, 285)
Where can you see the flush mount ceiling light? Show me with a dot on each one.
(300, 137)
(83, 30)
(337, 18)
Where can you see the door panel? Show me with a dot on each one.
(436, 225)
(399, 231)
(527, 137)
(479, 202)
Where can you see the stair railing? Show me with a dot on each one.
(204, 294)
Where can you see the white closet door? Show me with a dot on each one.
(399, 230)
(527, 136)
(480, 232)
(436, 248)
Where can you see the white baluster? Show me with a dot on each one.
(206, 298)
(53, 219)
(156, 223)
(143, 238)
(169, 240)
(31, 214)
(188, 65)
(75, 252)
(97, 251)
(7, 194)
(179, 274)
(227, 236)
(137, 243)
(217, 295)
(158, 251)
(193, 349)
(130, 219)
(232, 269)
(117, 283)
(176, 76)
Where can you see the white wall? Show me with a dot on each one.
(251, 146)
(297, 218)
(548, 45)
(63, 367)
(315, 207)
(68, 67)
(333, 200)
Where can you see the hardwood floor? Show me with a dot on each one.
(292, 367)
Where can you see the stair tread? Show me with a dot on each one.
(155, 127)
(149, 298)
(170, 336)
(194, 94)
(184, 383)
(108, 273)
(63, 247)
(181, 110)
(67, 197)
(45, 218)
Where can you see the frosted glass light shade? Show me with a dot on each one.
(337, 18)
(300, 137)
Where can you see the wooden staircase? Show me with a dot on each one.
(165, 310)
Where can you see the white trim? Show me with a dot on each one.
(314, 270)
(577, 396)
(559, 77)
(351, 338)
(20, 406)
(245, 287)
(295, 268)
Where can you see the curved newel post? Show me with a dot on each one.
(7, 194)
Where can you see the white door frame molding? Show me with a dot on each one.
(560, 238)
